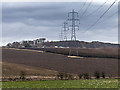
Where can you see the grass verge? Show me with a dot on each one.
(93, 83)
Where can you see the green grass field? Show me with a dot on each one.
(101, 83)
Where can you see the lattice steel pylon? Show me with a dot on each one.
(61, 35)
(74, 25)
(65, 28)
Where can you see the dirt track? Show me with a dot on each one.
(61, 62)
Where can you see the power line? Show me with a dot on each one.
(102, 15)
(106, 19)
(86, 10)
(109, 17)
(98, 8)
(83, 6)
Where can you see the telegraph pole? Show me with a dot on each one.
(65, 30)
(73, 19)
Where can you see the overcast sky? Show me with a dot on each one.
(32, 20)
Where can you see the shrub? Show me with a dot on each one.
(80, 76)
(65, 76)
(60, 75)
(70, 77)
(10, 79)
(103, 74)
(86, 76)
(22, 75)
(97, 75)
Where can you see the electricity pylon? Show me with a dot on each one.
(74, 19)
(61, 35)
(65, 28)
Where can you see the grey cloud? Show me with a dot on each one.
(34, 20)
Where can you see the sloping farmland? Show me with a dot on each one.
(60, 62)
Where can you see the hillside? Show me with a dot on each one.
(14, 69)
(68, 44)
(58, 62)
(82, 52)
(80, 44)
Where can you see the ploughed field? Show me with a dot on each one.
(14, 70)
(83, 52)
(63, 63)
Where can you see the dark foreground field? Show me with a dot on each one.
(60, 62)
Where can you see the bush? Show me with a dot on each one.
(10, 79)
(86, 76)
(97, 75)
(65, 76)
(80, 76)
(70, 77)
(103, 74)
(22, 75)
(60, 75)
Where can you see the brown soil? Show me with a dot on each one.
(12, 69)
(59, 62)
